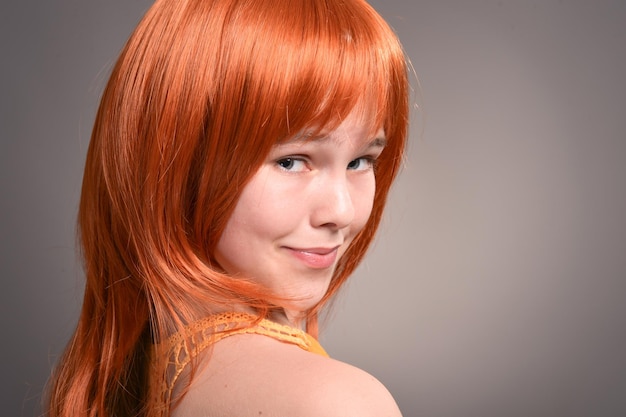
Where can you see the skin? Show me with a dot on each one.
(292, 223)
(252, 375)
(300, 211)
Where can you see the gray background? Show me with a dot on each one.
(497, 286)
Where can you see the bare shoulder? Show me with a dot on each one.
(339, 389)
(259, 376)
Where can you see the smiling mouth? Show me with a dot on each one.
(315, 258)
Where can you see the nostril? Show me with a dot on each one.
(335, 208)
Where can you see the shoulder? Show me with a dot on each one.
(339, 389)
(256, 375)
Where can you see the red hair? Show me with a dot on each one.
(200, 94)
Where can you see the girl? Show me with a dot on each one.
(237, 172)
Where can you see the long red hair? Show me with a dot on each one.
(200, 94)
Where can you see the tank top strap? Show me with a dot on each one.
(182, 347)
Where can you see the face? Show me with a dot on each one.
(300, 211)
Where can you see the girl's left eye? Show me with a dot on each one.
(361, 164)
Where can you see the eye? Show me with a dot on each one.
(292, 164)
(361, 164)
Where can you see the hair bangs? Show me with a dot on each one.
(350, 70)
(309, 65)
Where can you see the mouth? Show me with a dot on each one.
(315, 258)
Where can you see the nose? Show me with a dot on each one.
(333, 206)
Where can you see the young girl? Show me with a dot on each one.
(237, 172)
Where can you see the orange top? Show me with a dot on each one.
(182, 347)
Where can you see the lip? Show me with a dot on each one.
(315, 258)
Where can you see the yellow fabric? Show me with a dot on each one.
(182, 347)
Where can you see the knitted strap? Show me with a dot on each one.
(182, 347)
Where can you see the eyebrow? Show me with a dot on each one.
(378, 142)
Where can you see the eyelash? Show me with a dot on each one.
(289, 160)
(370, 161)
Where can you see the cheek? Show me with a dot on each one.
(363, 201)
(263, 212)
